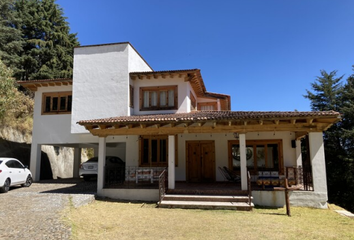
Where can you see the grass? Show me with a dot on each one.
(118, 220)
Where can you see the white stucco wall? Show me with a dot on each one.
(135, 64)
(54, 128)
(151, 195)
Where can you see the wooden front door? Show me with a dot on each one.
(200, 161)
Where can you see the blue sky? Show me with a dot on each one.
(264, 53)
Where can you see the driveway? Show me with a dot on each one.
(36, 212)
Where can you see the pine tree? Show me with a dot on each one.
(10, 37)
(48, 49)
(327, 88)
(338, 139)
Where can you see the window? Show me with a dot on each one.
(261, 155)
(57, 103)
(158, 98)
(131, 96)
(193, 101)
(153, 151)
(207, 106)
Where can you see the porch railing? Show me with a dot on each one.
(132, 177)
(300, 176)
(249, 188)
(163, 184)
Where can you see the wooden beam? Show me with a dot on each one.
(102, 126)
(309, 121)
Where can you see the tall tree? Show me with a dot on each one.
(7, 89)
(48, 49)
(10, 37)
(327, 88)
(329, 94)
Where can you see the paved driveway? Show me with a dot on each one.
(35, 212)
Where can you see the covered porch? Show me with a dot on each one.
(221, 128)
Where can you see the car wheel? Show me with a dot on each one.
(87, 178)
(29, 181)
(6, 186)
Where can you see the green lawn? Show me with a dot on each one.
(117, 220)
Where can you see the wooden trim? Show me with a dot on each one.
(158, 89)
(193, 101)
(131, 96)
(58, 96)
(176, 150)
(158, 163)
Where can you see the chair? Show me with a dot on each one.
(229, 175)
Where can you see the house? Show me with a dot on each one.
(118, 105)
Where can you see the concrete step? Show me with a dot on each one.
(206, 205)
(208, 198)
(221, 192)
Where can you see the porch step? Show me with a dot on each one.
(206, 202)
(206, 205)
(210, 198)
(222, 192)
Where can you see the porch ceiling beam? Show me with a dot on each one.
(309, 121)
(155, 129)
(300, 135)
(102, 126)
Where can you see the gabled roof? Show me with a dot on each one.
(33, 85)
(213, 122)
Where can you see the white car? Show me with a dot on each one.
(12, 172)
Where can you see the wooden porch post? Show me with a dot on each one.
(101, 163)
(243, 161)
(171, 162)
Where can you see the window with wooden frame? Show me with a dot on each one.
(158, 98)
(153, 151)
(261, 155)
(131, 96)
(56, 103)
(207, 106)
(193, 101)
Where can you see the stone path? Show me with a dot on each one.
(35, 212)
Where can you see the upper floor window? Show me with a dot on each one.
(158, 98)
(56, 103)
(205, 106)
